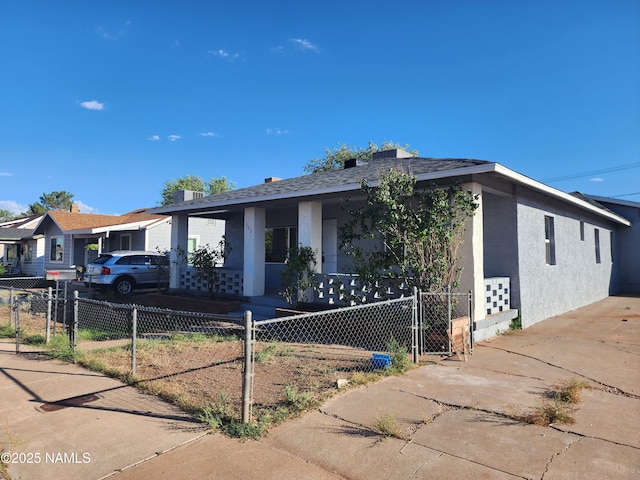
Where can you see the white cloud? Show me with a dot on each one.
(221, 53)
(173, 138)
(154, 138)
(113, 35)
(6, 174)
(596, 179)
(209, 134)
(92, 105)
(13, 206)
(83, 207)
(303, 44)
(276, 131)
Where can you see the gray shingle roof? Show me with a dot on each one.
(332, 179)
(13, 234)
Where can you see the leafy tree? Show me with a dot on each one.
(219, 185)
(206, 261)
(334, 158)
(298, 275)
(420, 232)
(195, 183)
(6, 215)
(56, 201)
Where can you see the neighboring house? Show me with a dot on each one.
(627, 261)
(21, 251)
(73, 239)
(529, 246)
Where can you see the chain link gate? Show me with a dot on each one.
(445, 325)
(33, 315)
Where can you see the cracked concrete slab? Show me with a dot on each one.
(494, 441)
(349, 450)
(593, 459)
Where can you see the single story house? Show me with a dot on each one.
(73, 239)
(21, 250)
(627, 262)
(529, 248)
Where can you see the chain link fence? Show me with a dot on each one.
(240, 368)
(32, 317)
(190, 358)
(296, 360)
(25, 282)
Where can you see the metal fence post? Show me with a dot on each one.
(448, 293)
(470, 300)
(55, 309)
(48, 329)
(248, 367)
(414, 327)
(12, 315)
(134, 337)
(74, 331)
(17, 328)
(65, 303)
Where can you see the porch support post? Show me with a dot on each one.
(472, 261)
(310, 229)
(179, 238)
(254, 251)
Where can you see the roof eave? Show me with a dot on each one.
(541, 187)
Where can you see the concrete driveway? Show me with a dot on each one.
(457, 419)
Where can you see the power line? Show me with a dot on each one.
(594, 172)
(625, 195)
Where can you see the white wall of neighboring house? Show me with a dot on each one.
(35, 265)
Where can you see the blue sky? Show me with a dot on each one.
(110, 99)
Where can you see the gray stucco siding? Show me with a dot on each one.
(628, 248)
(576, 279)
(500, 245)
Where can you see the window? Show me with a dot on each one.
(125, 242)
(278, 241)
(549, 241)
(28, 254)
(192, 246)
(596, 235)
(582, 231)
(57, 249)
(611, 245)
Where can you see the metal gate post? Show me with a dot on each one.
(73, 332)
(248, 367)
(48, 329)
(17, 328)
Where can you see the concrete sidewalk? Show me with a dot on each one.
(456, 418)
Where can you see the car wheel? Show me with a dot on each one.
(123, 286)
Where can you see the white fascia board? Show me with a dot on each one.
(116, 228)
(553, 192)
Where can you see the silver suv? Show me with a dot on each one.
(128, 269)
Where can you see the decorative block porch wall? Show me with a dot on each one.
(346, 289)
(497, 294)
(229, 281)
